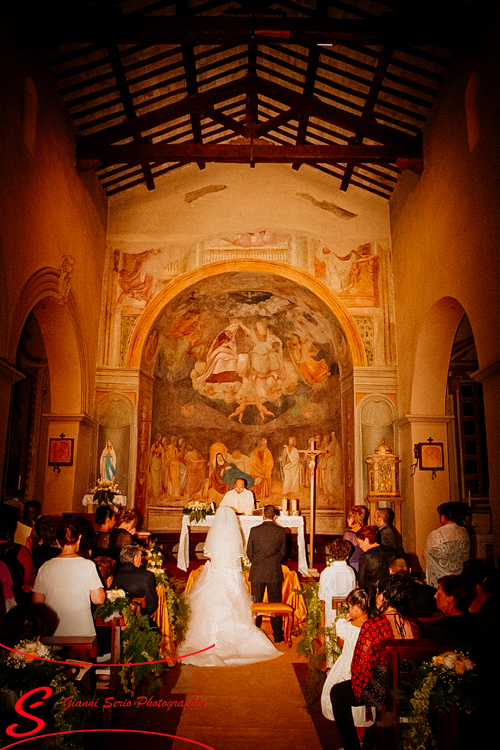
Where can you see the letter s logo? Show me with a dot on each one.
(47, 692)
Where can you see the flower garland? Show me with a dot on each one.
(198, 511)
(444, 681)
(317, 643)
(140, 641)
(22, 671)
(177, 606)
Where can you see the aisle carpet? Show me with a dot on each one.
(256, 706)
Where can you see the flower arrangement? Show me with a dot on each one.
(444, 681)
(198, 510)
(140, 640)
(27, 667)
(245, 564)
(105, 491)
(26, 652)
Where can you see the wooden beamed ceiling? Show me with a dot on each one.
(342, 86)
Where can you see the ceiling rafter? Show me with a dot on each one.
(343, 86)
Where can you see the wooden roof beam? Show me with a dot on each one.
(128, 104)
(382, 65)
(457, 28)
(340, 118)
(158, 153)
(181, 108)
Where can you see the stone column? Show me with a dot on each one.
(422, 493)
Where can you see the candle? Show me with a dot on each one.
(284, 505)
(295, 505)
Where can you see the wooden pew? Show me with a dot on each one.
(389, 722)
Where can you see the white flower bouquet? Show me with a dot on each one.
(198, 510)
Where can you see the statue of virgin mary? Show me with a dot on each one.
(108, 463)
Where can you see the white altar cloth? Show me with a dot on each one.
(246, 523)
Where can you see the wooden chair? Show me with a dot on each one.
(276, 609)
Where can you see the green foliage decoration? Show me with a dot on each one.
(446, 680)
(21, 674)
(140, 641)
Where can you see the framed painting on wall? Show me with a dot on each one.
(61, 451)
(430, 456)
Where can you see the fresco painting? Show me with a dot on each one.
(247, 370)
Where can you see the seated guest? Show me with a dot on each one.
(363, 689)
(16, 557)
(68, 584)
(422, 602)
(135, 580)
(48, 546)
(7, 601)
(476, 572)
(123, 534)
(336, 581)
(348, 630)
(105, 520)
(106, 567)
(375, 560)
(356, 518)
(387, 534)
(454, 596)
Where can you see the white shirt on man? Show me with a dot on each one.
(241, 502)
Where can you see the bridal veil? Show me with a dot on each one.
(220, 604)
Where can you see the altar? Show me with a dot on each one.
(246, 523)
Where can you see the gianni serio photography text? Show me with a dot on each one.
(142, 700)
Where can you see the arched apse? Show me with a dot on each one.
(245, 360)
(432, 358)
(275, 270)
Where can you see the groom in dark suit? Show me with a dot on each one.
(266, 546)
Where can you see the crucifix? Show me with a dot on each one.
(312, 452)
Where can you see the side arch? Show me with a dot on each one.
(177, 286)
(63, 339)
(432, 357)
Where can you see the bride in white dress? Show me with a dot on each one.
(220, 604)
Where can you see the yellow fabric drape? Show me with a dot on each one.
(168, 645)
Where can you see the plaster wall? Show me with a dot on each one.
(445, 238)
(47, 211)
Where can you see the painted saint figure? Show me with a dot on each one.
(290, 461)
(108, 463)
(261, 468)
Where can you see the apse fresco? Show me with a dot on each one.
(244, 365)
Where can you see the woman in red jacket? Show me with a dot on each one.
(364, 688)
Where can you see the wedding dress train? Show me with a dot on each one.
(220, 604)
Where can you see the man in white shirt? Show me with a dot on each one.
(239, 498)
(447, 548)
